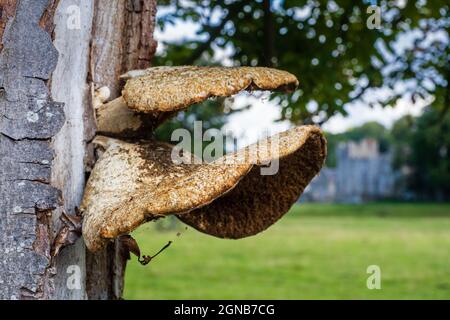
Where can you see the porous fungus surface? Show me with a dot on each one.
(165, 89)
(136, 182)
(258, 201)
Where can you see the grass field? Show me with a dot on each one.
(315, 252)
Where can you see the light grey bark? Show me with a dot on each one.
(46, 125)
(29, 120)
(72, 34)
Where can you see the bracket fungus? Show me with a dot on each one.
(167, 89)
(154, 95)
(115, 119)
(139, 180)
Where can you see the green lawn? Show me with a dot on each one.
(315, 252)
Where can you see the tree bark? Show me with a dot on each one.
(53, 52)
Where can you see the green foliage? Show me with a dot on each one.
(402, 132)
(212, 114)
(327, 45)
(422, 149)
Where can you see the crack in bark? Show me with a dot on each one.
(23, 139)
(31, 180)
(27, 50)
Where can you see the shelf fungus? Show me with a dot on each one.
(167, 89)
(154, 95)
(235, 196)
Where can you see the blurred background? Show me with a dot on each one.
(375, 75)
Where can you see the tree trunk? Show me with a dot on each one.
(53, 52)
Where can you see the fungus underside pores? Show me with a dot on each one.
(136, 180)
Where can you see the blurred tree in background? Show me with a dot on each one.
(327, 45)
(421, 149)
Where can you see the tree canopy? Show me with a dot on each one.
(327, 45)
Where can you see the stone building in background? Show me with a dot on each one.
(362, 174)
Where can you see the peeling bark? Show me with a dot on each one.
(112, 54)
(69, 85)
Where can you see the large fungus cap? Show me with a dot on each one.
(258, 201)
(167, 89)
(135, 183)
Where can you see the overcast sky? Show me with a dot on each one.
(259, 120)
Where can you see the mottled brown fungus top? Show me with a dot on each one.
(259, 201)
(165, 89)
(135, 183)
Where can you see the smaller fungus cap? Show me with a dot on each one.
(167, 89)
(115, 119)
(137, 182)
